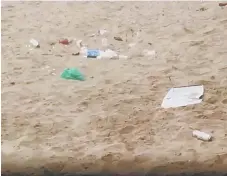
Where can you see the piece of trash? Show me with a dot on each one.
(93, 53)
(222, 4)
(107, 54)
(76, 54)
(183, 96)
(79, 43)
(35, 43)
(72, 73)
(64, 41)
(201, 135)
(12, 83)
(99, 54)
(102, 31)
(202, 9)
(118, 38)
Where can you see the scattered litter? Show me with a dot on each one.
(102, 31)
(202, 9)
(223, 4)
(35, 43)
(65, 41)
(108, 54)
(99, 54)
(93, 53)
(118, 38)
(201, 135)
(72, 73)
(79, 43)
(183, 96)
(76, 54)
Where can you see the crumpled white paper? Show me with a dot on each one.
(183, 96)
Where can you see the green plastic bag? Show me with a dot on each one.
(72, 73)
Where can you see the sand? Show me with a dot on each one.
(113, 120)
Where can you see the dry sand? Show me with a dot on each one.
(113, 120)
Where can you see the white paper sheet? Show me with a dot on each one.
(183, 96)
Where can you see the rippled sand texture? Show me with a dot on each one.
(113, 120)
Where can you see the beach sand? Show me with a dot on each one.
(113, 120)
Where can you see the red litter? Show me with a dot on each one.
(64, 41)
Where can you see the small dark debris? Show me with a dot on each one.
(52, 43)
(212, 77)
(202, 9)
(118, 38)
(76, 54)
(149, 43)
(12, 83)
(222, 4)
(37, 125)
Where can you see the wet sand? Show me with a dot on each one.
(113, 120)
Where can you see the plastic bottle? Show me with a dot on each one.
(108, 54)
(201, 135)
(99, 54)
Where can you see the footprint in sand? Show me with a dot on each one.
(212, 100)
(224, 101)
(126, 130)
